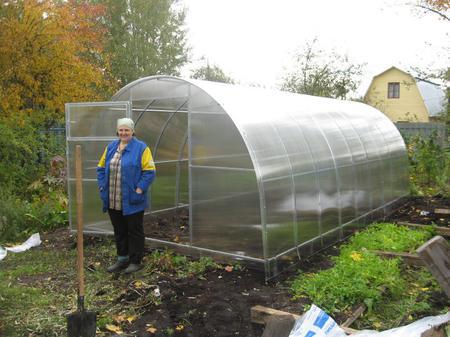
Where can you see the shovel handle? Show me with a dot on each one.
(79, 193)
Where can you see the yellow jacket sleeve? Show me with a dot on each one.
(147, 161)
(102, 160)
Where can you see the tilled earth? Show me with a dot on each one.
(218, 303)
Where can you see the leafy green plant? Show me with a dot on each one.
(167, 261)
(357, 277)
(389, 237)
(360, 276)
(429, 166)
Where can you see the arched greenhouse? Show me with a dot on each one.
(264, 176)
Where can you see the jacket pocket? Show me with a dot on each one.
(136, 198)
(104, 195)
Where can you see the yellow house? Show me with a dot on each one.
(396, 94)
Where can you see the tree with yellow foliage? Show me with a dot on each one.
(51, 52)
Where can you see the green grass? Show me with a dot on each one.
(38, 288)
(392, 292)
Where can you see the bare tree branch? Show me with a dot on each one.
(434, 11)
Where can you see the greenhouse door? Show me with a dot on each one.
(93, 126)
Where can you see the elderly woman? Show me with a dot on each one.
(124, 174)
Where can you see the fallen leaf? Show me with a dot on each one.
(131, 318)
(377, 325)
(229, 268)
(179, 327)
(151, 330)
(114, 328)
(119, 318)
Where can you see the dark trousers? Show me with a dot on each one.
(129, 234)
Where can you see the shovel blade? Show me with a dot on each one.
(81, 324)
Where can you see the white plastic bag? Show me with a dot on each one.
(316, 322)
(33, 241)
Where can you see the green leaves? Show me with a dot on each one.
(146, 38)
(319, 73)
(351, 281)
(389, 237)
(429, 166)
(211, 73)
(360, 276)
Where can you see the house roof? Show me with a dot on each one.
(432, 94)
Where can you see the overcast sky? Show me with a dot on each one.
(253, 40)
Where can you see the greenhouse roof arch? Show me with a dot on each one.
(267, 176)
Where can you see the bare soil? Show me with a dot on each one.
(423, 211)
(218, 304)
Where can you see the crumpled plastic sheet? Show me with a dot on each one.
(33, 241)
(411, 330)
(316, 322)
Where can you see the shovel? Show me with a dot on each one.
(81, 323)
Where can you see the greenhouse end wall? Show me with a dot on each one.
(266, 176)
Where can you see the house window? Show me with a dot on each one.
(393, 90)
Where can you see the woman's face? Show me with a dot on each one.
(125, 133)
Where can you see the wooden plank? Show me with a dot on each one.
(354, 316)
(443, 211)
(411, 259)
(443, 231)
(278, 326)
(436, 255)
(260, 314)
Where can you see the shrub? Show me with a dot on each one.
(32, 176)
(429, 166)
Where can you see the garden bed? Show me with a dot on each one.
(198, 299)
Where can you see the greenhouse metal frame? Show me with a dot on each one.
(266, 177)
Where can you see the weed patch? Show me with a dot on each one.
(359, 276)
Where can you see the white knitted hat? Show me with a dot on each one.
(125, 122)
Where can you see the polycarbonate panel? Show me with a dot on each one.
(149, 126)
(163, 189)
(225, 211)
(200, 101)
(279, 211)
(183, 183)
(401, 183)
(307, 204)
(91, 152)
(296, 147)
(320, 149)
(92, 207)
(329, 200)
(268, 152)
(211, 146)
(347, 193)
(160, 93)
(171, 138)
(363, 196)
(94, 119)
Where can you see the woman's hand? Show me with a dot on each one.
(139, 191)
